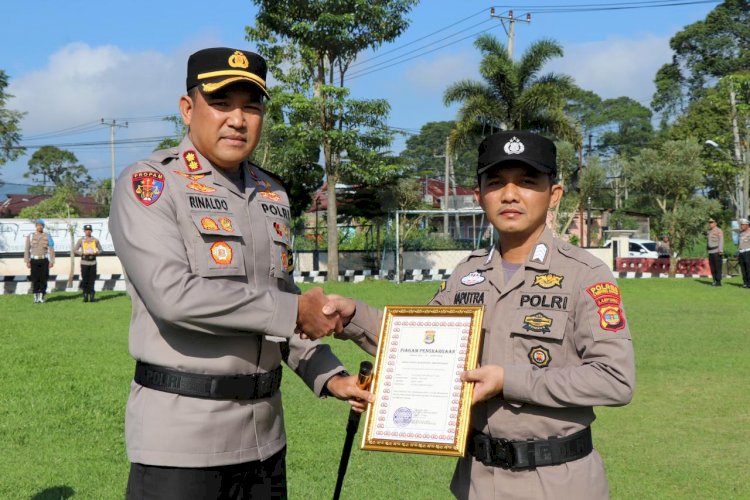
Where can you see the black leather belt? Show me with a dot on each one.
(197, 385)
(528, 454)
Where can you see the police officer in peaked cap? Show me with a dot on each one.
(556, 339)
(203, 236)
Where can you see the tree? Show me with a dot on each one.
(101, 191)
(180, 130)
(628, 125)
(704, 52)
(424, 154)
(672, 175)
(513, 94)
(60, 168)
(310, 45)
(10, 130)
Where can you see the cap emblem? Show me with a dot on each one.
(513, 147)
(238, 60)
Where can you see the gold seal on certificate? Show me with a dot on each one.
(421, 405)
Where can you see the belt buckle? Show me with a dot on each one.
(502, 452)
(483, 449)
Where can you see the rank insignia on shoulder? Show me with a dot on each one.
(540, 253)
(209, 224)
(548, 280)
(538, 323)
(539, 356)
(473, 278)
(221, 253)
(191, 160)
(148, 186)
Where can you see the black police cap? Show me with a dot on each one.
(217, 67)
(87, 226)
(517, 146)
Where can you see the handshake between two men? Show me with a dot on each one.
(319, 315)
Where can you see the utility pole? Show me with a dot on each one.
(446, 188)
(112, 124)
(510, 30)
(739, 157)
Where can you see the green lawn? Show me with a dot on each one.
(65, 372)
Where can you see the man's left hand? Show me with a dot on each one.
(346, 389)
(488, 382)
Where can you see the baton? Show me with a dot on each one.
(363, 381)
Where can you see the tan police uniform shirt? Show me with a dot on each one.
(209, 273)
(744, 245)
(88, 249)
(559, 330)
(37, 247)
(715, 238)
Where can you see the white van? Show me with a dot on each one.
(638, 248)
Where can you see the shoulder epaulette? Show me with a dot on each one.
(162, 155)
(579, 254)
(271, 174)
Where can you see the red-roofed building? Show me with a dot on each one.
(13, 205)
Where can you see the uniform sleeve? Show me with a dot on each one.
(98, 247)
(605, 374)
(51, 248)
(27, 249)
(77, 249)
(153, 254)
(364, 328)
(721, 241)
(313, 362)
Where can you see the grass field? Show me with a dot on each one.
(65, 375)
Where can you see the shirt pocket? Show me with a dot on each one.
(282, 257)
(217, 247)
(538, 337)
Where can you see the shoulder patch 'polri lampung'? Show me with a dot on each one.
(607, 297)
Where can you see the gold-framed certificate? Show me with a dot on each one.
(421, 405)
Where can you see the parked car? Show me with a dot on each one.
(638, 248)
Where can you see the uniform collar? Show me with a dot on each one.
(538, 259)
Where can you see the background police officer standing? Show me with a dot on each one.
(556, 341)
(88, 248)
(744, 252)
(715, 245)
(203, 236)
(39, 255)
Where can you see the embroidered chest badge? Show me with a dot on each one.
(473, 278)
(539, 356)
(226, 224)
(194, 184)
(548, 280)
(538, 323)
(221, 253)
(148, 186)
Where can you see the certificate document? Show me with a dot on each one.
(421, 405)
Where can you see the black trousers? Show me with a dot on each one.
(250, 480)
(744, 259)
(39, 275)
(714, 261)
(88, 277)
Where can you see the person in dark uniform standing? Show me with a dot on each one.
(743, 252)
(556, 340)
(88, 248)
(39, 255)
(203, 236)
(715, 245)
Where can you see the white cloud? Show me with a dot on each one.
(615, 67)
(437, 74)
(82, 84)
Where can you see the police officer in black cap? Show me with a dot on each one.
(203, 236)
(88, 248)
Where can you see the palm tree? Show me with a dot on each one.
(513, 95)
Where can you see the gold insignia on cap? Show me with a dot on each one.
(238, 60)
(514, 146)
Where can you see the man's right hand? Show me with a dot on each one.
(312, 322)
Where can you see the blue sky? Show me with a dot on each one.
(73, 63)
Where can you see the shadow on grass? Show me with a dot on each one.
(55, 493)
(100, 296)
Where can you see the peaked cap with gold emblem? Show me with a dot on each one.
(217, 67)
